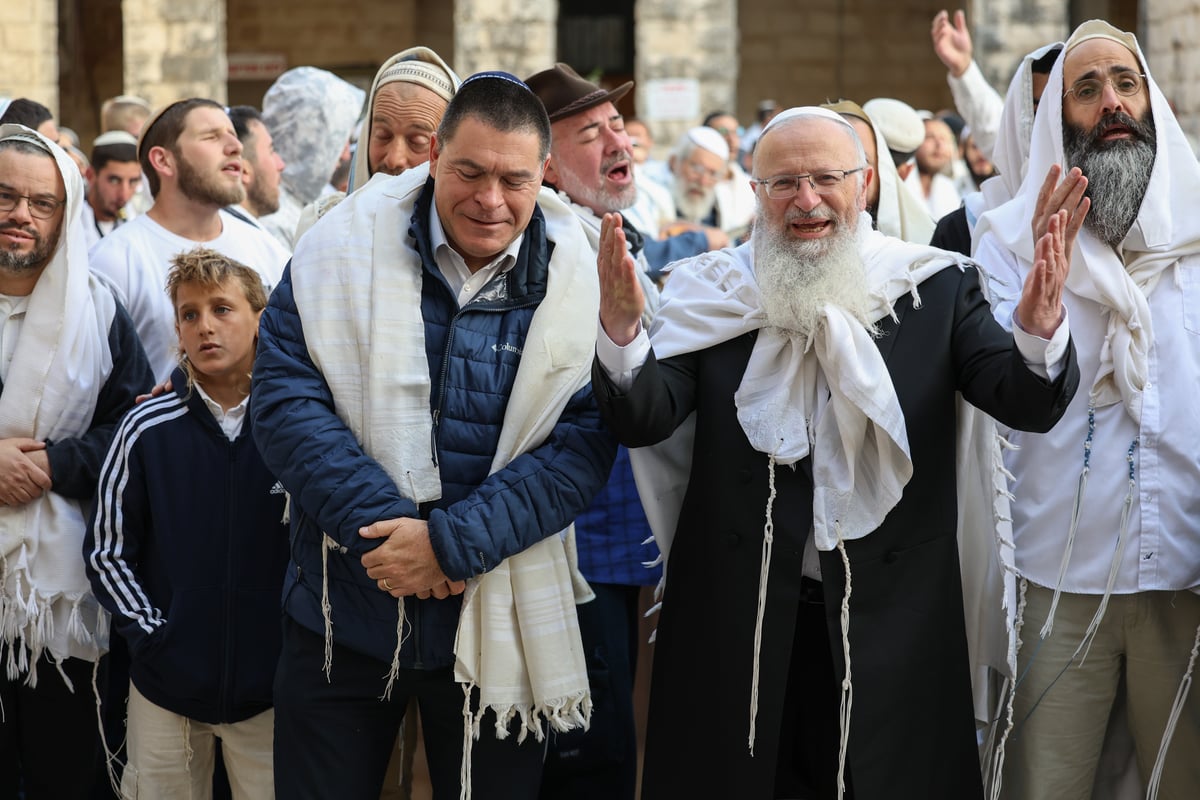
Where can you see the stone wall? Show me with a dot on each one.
(692, 39)
(174, 49)
(29, 51)
(1003, 32)
(516, 36)
(1168, 39)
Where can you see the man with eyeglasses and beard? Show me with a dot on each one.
(70, 367)
(192, 161)
(1106, 522)
(811, 509)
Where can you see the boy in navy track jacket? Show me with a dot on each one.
(187, 549)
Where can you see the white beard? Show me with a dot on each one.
(798, 278)
(689, 207)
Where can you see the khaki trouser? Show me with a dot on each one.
(171, 756)
(1062, 708)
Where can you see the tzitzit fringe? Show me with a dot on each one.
(1172, 720)
(1008, 696)
(764, 572)
(847, 700)
(110, 756)
(326, 608)
(394, 672)
(1118, 553)
(1075, 509)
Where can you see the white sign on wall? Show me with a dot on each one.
(672, 99)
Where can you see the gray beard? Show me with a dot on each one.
(689, 208)
(798, 278)
(1118, 173)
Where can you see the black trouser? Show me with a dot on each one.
(601, 763)
(49, 736)
(333, 738)
(808, 737)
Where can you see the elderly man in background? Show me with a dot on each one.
(702, 190)
(1105, 522)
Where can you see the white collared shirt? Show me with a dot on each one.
(231, 421)
(12, 315)
(1163, 549)
(454, 267)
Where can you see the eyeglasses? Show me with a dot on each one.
(701, 172)
(827, 181)
(1088, 90)
(40, 207)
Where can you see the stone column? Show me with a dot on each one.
(175, 49)
(1003, 31)
(695, 39)
(1168, 39)
(29, 51)
(516, 36)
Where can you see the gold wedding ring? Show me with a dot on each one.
(386, 585)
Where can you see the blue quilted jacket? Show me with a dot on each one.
(473, 354)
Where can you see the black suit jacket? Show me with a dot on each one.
(912, 731)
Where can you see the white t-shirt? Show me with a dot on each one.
(135, 258)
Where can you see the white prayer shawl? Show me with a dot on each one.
(1163, 234)
(518, 639)
(860, 457)
(900, 213)
(58, 369)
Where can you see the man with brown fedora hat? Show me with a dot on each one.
(591, 161)
(591, 165)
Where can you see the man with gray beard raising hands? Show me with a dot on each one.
(813, 541)
(1106, 520)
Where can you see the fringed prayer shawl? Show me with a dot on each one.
(859, 446)
(1162, 241)
(357, 283)
(58, 369)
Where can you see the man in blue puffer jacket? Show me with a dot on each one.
(423, 394)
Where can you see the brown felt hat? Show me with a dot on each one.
(564, 93)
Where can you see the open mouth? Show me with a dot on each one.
(233, 168)
(811, 227)
(619, 173)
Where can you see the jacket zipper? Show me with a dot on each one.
(227, 635)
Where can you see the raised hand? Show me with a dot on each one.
(1040, 309)
(952, 43)
(621, 298)
(1065, 196)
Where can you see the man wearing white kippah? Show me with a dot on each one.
(115, 177)
(828, 528)
(703, 193)
(1106, 522)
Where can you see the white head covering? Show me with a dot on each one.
(1163, 232)
(900, 213)
(897, 121)
(1011, 151)
(56, 374)
(705, 138)
(418, 65)
(310, 114)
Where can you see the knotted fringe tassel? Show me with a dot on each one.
(1075, 509)
(1008, 696)
(110, 757)
(394, 672)
(847, 701)
(470, 731)
(1172, 720)
(764, 571)
(1115, 565)
(326, 608)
